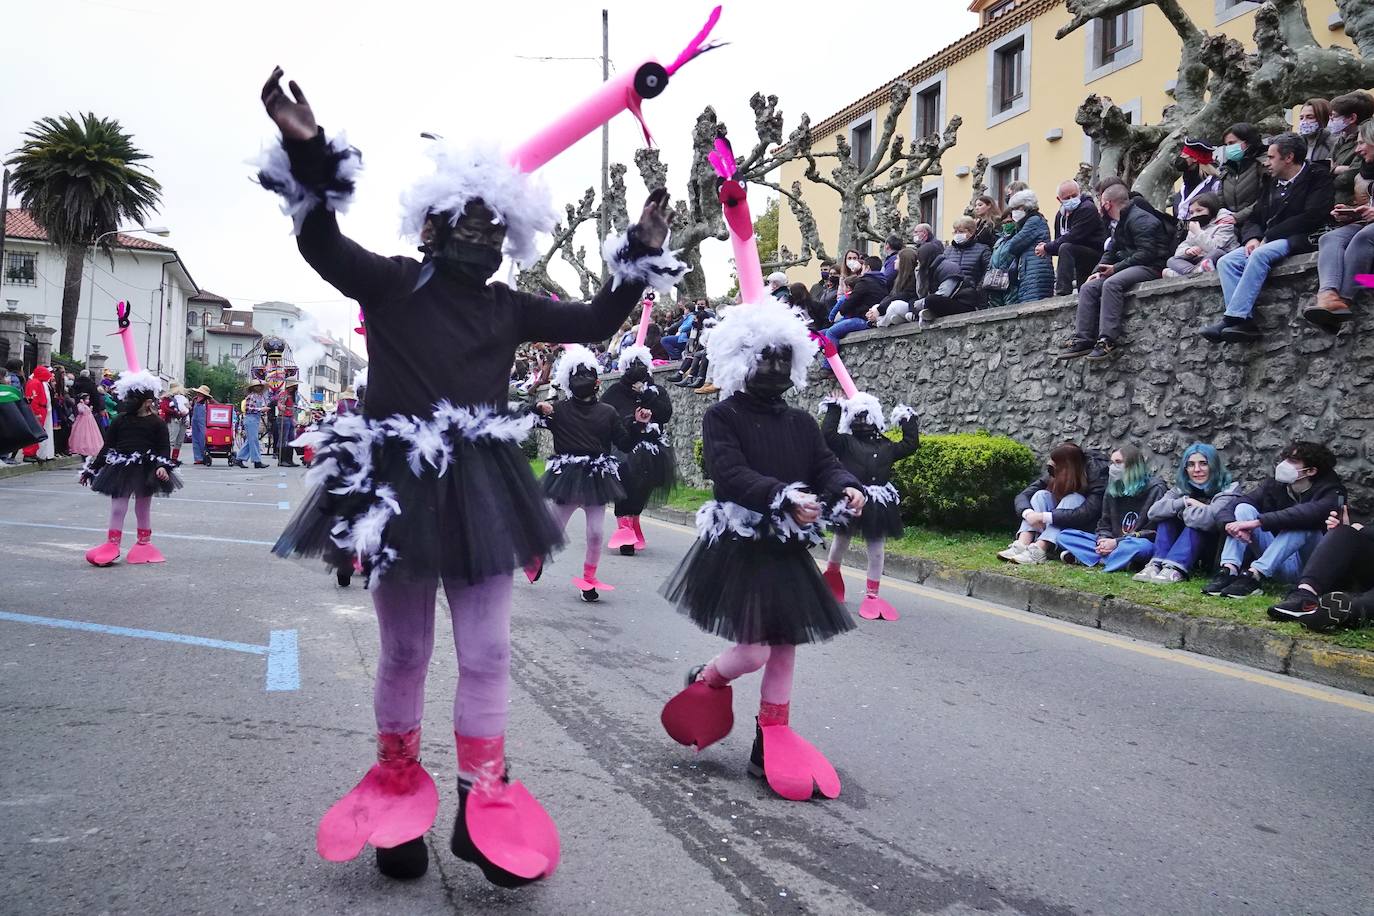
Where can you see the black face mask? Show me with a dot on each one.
(1204, 220)
(637, 373)
(582, 385)
(863, 429)
(772, 376)
(466, 260)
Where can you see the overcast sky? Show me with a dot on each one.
(183, 76)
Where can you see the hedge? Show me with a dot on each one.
(963, 481)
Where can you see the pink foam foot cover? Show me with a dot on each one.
(393, 804)
(639, 533)
(104, 555)
(700, 715)
(794, 768)
(835, 580)
(513, 831)
(623, 536)
(874, 608)
(145, 553)
(533, 570)
(584, 583)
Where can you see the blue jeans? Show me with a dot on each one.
(198, 434)
(845, 326)
(675, 345)
(1243, 275)
(1043, 501)
(1177, 545)
(1281, 556)
(250, 451)
(1083, 546)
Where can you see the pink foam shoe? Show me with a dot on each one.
(700, 715)
(874, 608)
(835, 580)
(589, 582)
(791, 765)
(623, 536)
(535, 570)
(639, 532)
(500, 827)
(108, 552)
(144, 551)
(393, 804)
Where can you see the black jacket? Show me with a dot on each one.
(870, 460)
(1281, 509)
(588, 428)
(626, 401)
(1083, 226)
(1086, 516)
(868, 291)
(1129, 516)
(972, 259)
(905, 294)
(1141, 239)
(1303, 211)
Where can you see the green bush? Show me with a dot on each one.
(699, 453)
(965, 481)
(531, 446)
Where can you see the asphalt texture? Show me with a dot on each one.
(993, 761)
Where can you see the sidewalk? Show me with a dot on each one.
(33, 467)
(1306, 657)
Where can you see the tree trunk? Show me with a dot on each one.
(71, 301)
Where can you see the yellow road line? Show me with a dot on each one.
(1189, 659)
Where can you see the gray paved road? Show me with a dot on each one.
(993, 761)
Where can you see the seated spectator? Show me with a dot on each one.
(949, 293)
(1241, 174)
(895, 307)
(1313, 117)
(1140, 246)
(922, 233)
(1032, 276)
(891, 248)
(868, 290)
(1348, 112)
(988, 217)
(1294, 203)
(1069, 495)
(653, 339)
(777, 287)
(818, 288)
(971, 256)
(1124, 537)
(1348, 249)
(1200, 176)
(1079, 234)
(851, 268)
(1010, 191)
(1188, 518)
(1211, 234)
(814, 311)
(827, 300)
(1344, 560)
(1278, 523)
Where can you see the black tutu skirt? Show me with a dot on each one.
(762, 591)
(881, 518)
(594, 482)
(481, 515)
(135, 475)
(648, 472)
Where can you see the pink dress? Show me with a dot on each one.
(85, 438)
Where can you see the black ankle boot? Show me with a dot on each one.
(406, 862)
(463, 847)
(756, 755)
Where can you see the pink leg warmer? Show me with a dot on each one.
(119, 508)
(143, 511)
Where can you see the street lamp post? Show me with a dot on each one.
(161, 231)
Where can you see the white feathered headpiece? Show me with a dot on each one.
(461, 174)
(129, 382)
(745, 332)
(575, 356)
(636, 354)
(864, 403)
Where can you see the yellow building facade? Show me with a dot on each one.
(1017, 89)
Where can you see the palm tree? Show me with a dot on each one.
(80, 180)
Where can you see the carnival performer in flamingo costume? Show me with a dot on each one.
(428, 485)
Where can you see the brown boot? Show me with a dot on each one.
(1331, 300)
(1329, 312)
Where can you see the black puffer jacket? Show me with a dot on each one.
(1086, 516)
(870, 460)
(1281, 509)
(1141, 239)
(972, 258)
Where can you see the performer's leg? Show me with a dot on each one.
(563, 512)
(119, 510)
(832, 576)
(405, 623)
(876, 555)
(738, 660)
(776, 689)
(596, 535)
(144, 551)
(105, 554)
(793, 767)
(873, 607)
(481, 632)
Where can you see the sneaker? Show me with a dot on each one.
(1242, 586)
(1299, 604)
(589, 595)
(1068, 559)
(1169, 573)
(926, 316)
(1014, 550)
(1245, 331)
(1214, 332)
(1149, 573)
(1031, 555)
(1337, 609)
(1219, 583)
(1103, 350)
(1169, 273)
(1078, 346)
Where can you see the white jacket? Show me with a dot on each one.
(1219, 236)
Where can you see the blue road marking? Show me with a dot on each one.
(161, 535)
(283, 505)
(283, 664)
(281, 486)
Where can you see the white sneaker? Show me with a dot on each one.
(1148, 574)
(1014, 550)
(1031, 555)
(1170, 574)
(1169, 272)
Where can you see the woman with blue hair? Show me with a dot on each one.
(1187, 517)
(1124, 537)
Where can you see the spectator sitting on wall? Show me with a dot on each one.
(814, 311)
(817, 290)
(891, 248)
(1241, 174)
(948, 292)
(1278, 523)
(971, 255)
(1295, 203)
(1348, 112)
(903, 293)
(1343, 560)
(777, 287)
(1196, 162)
(1069, 495)
(1032, 276)
(1211, 234)
(1188, 519)
(1124, 538)
(830, 293)
(1313, 117)
(1348, 250)
(1079, 234)
(988, 219)
(868, 290)
(1140, 246)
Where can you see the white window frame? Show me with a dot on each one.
(996, 117)
(937, 185)
(871, 119)
(941, 81)
(1022, 152)
(1134, 108)
(1131, 55)
(1225, 12)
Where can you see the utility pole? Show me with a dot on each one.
(603, 221)
(4, 209)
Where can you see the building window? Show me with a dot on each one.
(1113, 37)
(1114, 42)
(930, 208)
(1009, 77)
(928, 112)
(21, 268)
(192, 318)
(286, 322)
(861, 143)
(997, 10)
(198, 350)
(1003, 174)
(1226, 10)
(236, 349)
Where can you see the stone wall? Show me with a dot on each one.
(1168, 387)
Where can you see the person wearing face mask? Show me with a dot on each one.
(1348, 112)
(648, 467)
(967, 252)
(1079, 234)
(1238, 159)
(1188, 518)
(1211, 234)
(748, 577)
(1277, 525)
(583, 472)
(1124, 537)
(1347, 251)
(1313, 117)
(1032, 274)
(1196, 163)
(429, 485)
(1068, 496)
(867, 291)
(818, 288)
(853, 428)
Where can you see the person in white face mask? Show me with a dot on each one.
(1278, 524)
(1312, 120)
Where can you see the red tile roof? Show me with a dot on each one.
(20, 224)
(206, 296)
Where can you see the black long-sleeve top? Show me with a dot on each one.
(754, 449)
(450, 340)
(869, 460)
(1086, 516)
(1281, 509)
(588, 428)
(128, 435)
(626, 400)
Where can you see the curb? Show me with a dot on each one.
(33, 467)
(1254, 647)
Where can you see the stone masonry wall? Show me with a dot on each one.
(1168, 387)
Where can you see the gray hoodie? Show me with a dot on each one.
(1174, 504)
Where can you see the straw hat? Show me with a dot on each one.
(205, 390)
(256, 384)
(348, 393)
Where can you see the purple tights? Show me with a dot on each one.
(143, 512)
(840, 544)
(481, 632)
(777, 662)
(596, 526)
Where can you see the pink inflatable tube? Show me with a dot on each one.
(126, 335)
(734, 202)
(832, 356)
(644, 317)
(624, 93)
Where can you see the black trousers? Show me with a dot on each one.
(1343, 561)
(1073, 266)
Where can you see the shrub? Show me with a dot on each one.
(699, 453)
(963, 481)
(531, 446)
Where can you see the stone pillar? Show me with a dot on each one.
(96, 362)
(12, 326)
(43, 334)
